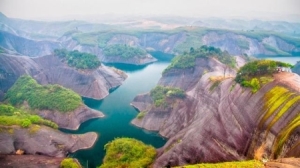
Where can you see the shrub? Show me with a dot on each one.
(23, 118)
(26, 123)
(69, 163)
(258, 72)
(160, 93)
(141, 115)
(50, 97)
(128, 152)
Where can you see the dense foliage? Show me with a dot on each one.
(10, 115)
(126, 153)
(160, 94)
(124, 51)
(51, 97)
(187, 59)
(69, 163)
(258, 72)
(78, 59)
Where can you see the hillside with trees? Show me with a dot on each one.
(259, 72)
(124, 51)
(79, 60)
(187, 59)
(50, 97)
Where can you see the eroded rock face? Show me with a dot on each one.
(50, 70)
(296, 68)
(43, 141)
(25, 46)
(215, 124)
(71, 120)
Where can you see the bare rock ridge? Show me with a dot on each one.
(43, 141)
(223, 123)
(25, 46)
(296, 68)
(50, 70)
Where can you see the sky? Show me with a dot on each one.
(50, 9)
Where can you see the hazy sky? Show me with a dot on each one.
(33, 9)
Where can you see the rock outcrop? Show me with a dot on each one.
(71, 44)
(25, 46)
(224, 122)
(71, 120)
(42, 141)
(296, 68)
(51, 70)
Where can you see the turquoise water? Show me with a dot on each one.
(119, 113)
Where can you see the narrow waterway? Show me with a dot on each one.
(119, 113)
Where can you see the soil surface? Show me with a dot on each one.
(29, 161)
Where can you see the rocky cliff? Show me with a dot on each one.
(42, 140)
(25, 46)
(296, 68)
(71, 44)
(50, 70)
(223, 121)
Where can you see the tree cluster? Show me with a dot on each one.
(128, 152)
(160, 94)
(187, 59)
(50, 97)
(124, 51)
(78, 59)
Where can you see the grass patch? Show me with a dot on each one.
(69, 163)
(236, 164)
(160, 94)
(50, 97)
(141, 115)
(128, 152)
(277, 103)
(10, 115)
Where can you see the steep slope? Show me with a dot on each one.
(50, 70)
(222, 121)
(181, 39)
(26, 46)
(43, 141)
(296, 68)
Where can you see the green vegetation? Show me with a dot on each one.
(78, 59)
(50, 97)
(278, 101)
(127, 152)
(258, 72)
(69, 163)
(237, 164)
(160, 94)
(124, 51)
(187, 60)
(141, 114)
(10, 115)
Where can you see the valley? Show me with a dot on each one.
(184, 91)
